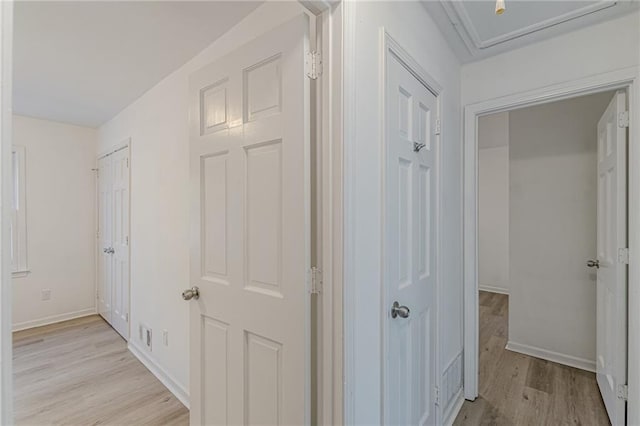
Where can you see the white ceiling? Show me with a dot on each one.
(476, 32)
(83, 62)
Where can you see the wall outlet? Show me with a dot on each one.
(46, 294)
(165, 337)
(145, 334)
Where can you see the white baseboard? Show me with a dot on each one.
(493, 289)
(571, 361)
(456, 406)
(169, 382)
(53, 319)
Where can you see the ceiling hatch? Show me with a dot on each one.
(480, 28)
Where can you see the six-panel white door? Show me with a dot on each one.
(611, 346)
(120, 242)
(105, 227)
(113, 240)
(409, 248)
(249, 141)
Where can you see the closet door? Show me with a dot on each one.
(105, 230)
(120, 242)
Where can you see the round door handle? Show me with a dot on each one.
(593, 263)
(191, 293)
(399, 311)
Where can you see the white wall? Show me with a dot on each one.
(60, 202)
(493, 202)
(592, 50)
(157, 124)
(553, 180)
(411, 26)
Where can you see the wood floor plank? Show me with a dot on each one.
(516, 389)
(80, 372)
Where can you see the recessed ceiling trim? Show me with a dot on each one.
(469, 34)
(459, 26)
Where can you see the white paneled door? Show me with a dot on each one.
(250, 187)
(409, 247)
(113, 240)
(105, 227)
(611, 347)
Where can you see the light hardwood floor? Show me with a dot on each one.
(80, 373)
(516, 389)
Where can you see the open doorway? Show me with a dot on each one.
(552, 265)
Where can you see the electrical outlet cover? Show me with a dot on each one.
(46, 294)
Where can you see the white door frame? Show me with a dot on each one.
(120, 146)
(328, 199)
(626, 78)
(6, 118)
(329, 136)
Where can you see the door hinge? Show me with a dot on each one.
(126, 317)
(127, 239)
(315, 276)
(623, 392)
(127, 163)
(438, 126)
(436, 392)
(313, 65)
(623, 255)
(97, 235)
(623, 119)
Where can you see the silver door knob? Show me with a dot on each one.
(191, 293)
(111, 250)
(105, 250)
(399, 311)
(593, 263)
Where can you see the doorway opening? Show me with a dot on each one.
(540, 177)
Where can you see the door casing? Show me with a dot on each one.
(625, 79)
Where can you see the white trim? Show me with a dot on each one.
(165, 378)
(493, 289)
(571, 361)
(622, 78)
(54, 319)
(469, 34)
(349, 209)
(6, 287)
(330, 220)
(450, 417)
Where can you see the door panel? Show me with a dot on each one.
(410, 213)
(120, 242)
(105, 260)
(113, 242)
(611, 346)
(249, 139)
